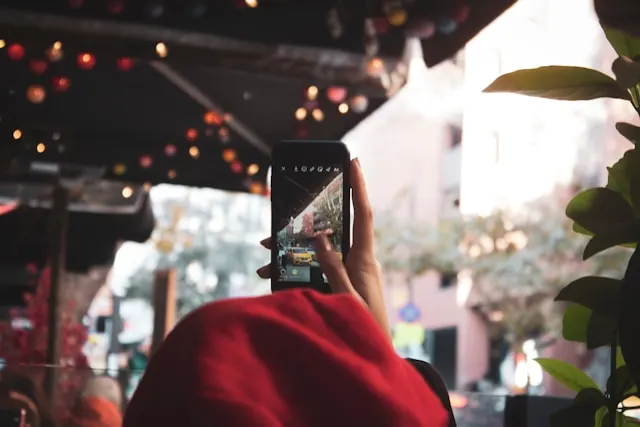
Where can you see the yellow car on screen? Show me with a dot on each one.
(299, 256)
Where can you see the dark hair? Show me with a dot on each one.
(22, 384)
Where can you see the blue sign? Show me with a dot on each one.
(410, 313)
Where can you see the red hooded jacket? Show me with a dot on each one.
(295, 359)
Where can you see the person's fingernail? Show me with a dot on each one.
(263, 272)
(357, 161)
(322, 243)
(264, 241)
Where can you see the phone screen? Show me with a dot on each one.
(307, 197)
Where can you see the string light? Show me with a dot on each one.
(146, 162)
(40, 148)
(119, 169)
(192, 134)
(236, 167)
(212, 118)
(36, 94)
(343, 108)
(15, 52)
(147, 186)
(317, 114)
(224, 135)
(38, 66)
(253, 169)
(251, 3)
(161, 50)
(312, 93)
(256, 188)
(54, 53)
(172, 174)
(61, 84)
(2, 44)
(86, 61)
(127, 192)
(336, 94)
(170, 150)
(17, 134)
(194, 152)
(375, 67)
(301, 113)
(124, 64)
(229, 155)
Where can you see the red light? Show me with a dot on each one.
(61, 84)
(192, 134)
(38, 66)
(15, 52)
(5, 209)
(146, 161)
(170, 150)
(124, 64)
(236, 167)
(212, 118)
(115, 7)
(86, 61)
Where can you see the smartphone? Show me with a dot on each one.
(310, 192)
(13, 418)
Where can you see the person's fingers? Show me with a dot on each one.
(266, 243)
(331, 266)
(264, 272)
(362, 212)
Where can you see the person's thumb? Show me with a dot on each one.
(332, 266)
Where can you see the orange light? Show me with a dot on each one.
(40, 148)
(212, 118)
(253, 169)
(192, 134)
(301, 113)
(171, 174)
(343, 108)
(251, 3)
(119, 169)
(17, 134)
(312, 93)
(229, 155)
(256, 188)
(36, 94)
(86, 61)
(458, 401)
(194, 152)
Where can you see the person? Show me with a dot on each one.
(98, 404)
(296, 357)
(18, 391)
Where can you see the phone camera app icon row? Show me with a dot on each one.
(327, 169)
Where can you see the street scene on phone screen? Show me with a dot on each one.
(323, 213)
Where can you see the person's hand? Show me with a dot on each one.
(360, 275)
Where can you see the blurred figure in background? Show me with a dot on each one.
(18, 391)
(98, 405)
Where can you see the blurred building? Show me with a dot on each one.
(307, 222)
(446, 147)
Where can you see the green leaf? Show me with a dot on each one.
(582, 411)
(625, 234)
(629, 131)
(600, 331)
(623, 43)
(600, 294)
(574, 323)
(620, 384)
(620, 174)
(599, 209)
(567, 374)
(619, 358)
(627, 71)
(559, 82)
(581, 230)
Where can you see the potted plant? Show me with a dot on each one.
(600, 311)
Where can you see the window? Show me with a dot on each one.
(455, 136)
(448, 280)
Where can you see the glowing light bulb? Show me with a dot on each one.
(312, 93)
(253, 169)
(192, 134)
(301, 113)
(161, 50)
(36, 94)
(57, 45)
(317, 114)
(2, 44)
(251, 3)
(343, 108)
(229, 155)
(147, 186)
(194, 152)
(212, 118)
(17, 134)
(127, 192)
(86, 61)
(172, 174)
(375, 67)
(146, 162)
(40, 148)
